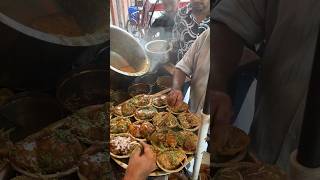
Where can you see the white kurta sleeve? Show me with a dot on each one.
(188, 62)
(245, 17)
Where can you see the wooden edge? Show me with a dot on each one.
(162, 92)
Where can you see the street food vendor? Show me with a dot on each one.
(190, 22)
(195, 64)
(290, 29)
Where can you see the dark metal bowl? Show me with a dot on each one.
(139, 88)
(83, 87)
(164, 82)
(29, 112)
(149, 78)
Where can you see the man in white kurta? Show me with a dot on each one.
(196, 65)
(290, 28)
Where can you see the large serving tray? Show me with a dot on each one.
(40, 133)
(124, 162)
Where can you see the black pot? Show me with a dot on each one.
(150, 79)
(29, 112)
(83, 87)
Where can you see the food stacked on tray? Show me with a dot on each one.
(172, 131)
(234, 150)
(232, 161)
(76, 143)
(94, 163)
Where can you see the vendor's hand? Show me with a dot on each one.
(175, 97)
(221, 112)
(220, 136)
(221, 107)
(141, 164)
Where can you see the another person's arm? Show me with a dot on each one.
(185, 68)
(227, 51)
(141, 164)
(176, 95)
(242, 21)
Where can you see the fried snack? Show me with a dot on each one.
(189, 121)
(141, 129)
(160, 101)
(58, 152)
(187, 141)
(94, 164)
(121, 145)
(237, 142)
(141, 100)
(89, 125)
(183, 107)
(24, 155)
(165, 119)
(165, 139)
(171, 160)
(125, 110)
(145, 113)
(119, 125)
(118, 96)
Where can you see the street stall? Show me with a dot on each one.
(52, 78)
(141, 66)
(140, 111)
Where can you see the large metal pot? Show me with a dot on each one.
(37, 44)
(127, 56)
(158, 53)
(83, 87)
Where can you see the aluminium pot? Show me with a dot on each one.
(34, 54)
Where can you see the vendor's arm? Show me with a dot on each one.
(176, 95)
(237, 22)
(185, 68)
(227, 50)
(240, 21)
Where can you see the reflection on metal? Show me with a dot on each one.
(127, 56)
(70, 23)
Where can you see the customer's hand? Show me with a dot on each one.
(141, 164)
(175, 97)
